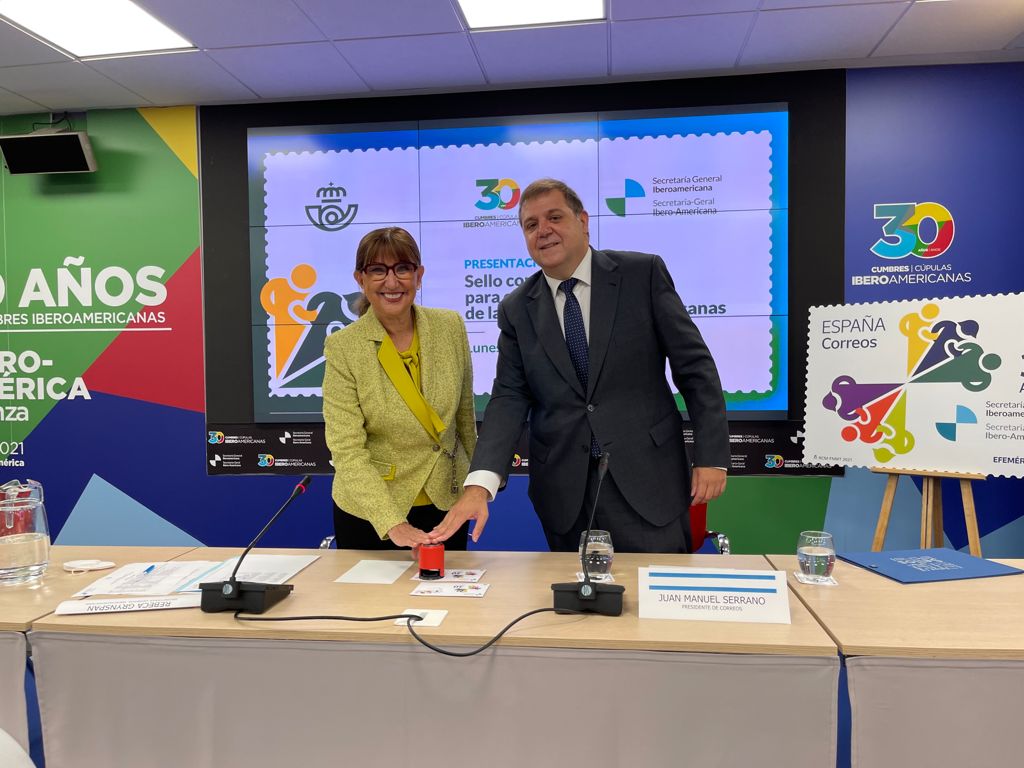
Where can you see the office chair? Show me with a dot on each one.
(699, 531)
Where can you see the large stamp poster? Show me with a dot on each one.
(933, 385)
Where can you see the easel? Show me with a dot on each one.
(931, 507)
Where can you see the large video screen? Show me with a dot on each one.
(705, 189)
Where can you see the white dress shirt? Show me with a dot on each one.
(581, 291)
(491, 481)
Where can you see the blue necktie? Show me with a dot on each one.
(576, 341)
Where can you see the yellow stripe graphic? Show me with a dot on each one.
(177, 127)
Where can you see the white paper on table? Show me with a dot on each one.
(262, 569)
(827, 581)
(374, 572)
(427, 618)
(132, 579)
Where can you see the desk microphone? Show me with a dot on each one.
(249, 596)
(585, 595)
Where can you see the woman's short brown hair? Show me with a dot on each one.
(386, 241)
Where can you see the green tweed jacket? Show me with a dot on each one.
(382, 455)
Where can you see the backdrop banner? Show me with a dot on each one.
(918, 385)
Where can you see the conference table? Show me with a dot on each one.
(181, 687)
(22, 604)
(935, 670)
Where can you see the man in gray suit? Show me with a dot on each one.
(582, 355)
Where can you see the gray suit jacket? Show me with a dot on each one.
(637, 321)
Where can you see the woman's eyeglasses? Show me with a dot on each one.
(379, 271)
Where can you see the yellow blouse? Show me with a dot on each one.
(403, 369)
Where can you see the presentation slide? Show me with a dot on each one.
(707, 191)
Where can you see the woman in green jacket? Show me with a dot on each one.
(398, 405)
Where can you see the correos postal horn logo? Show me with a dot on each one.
(901, 234)
(331, 215)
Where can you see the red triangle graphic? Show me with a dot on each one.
(164, 367)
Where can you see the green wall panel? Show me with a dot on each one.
(766, 514)
(139, 211)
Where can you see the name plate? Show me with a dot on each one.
(713, 594)
(120, 605)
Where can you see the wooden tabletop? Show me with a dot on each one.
(868, 614)
(22, 604)
(519, 582)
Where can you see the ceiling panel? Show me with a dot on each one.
(955, 27)
(12, 104)
(256, 50)
(676, 45)
(428, 61)
(519, 56)
(177, 78)
(620, 10)
(819, 34)
(226, 23)
(17, 48)
(68, 85)
(348, 19)
(283, 71)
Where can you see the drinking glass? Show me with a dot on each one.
(599, 555)
(24, 536)
(817, 556)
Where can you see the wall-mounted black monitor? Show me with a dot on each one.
(47, 152)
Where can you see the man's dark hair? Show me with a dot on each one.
(542, 187)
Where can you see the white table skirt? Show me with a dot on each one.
(129, 701)
(13, 717)
(935, 713)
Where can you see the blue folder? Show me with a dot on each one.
(912, 566)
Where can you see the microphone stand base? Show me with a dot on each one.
(606, 600)
(247, 596)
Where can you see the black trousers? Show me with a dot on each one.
(629, 531)
(351, 532)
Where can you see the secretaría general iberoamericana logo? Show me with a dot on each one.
(632, 189)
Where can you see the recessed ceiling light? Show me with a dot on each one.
(89, 28)
(483, 14)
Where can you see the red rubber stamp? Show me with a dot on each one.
(431, 561)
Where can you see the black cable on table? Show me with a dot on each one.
(410, 618)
